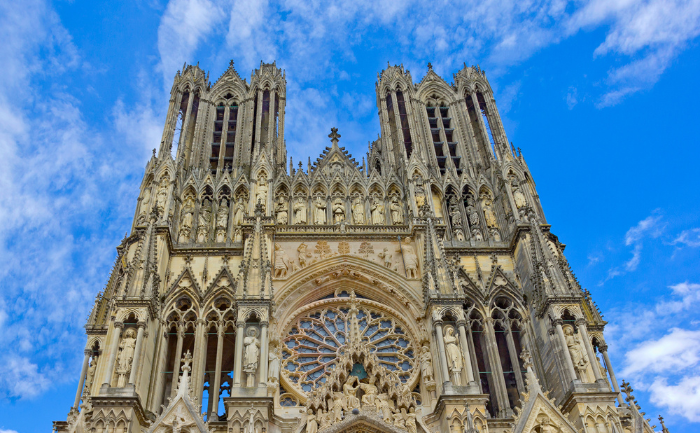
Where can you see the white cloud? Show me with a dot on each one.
(689, 238)
(689, 294)
(7, 431)
(650, 227)
(682, 399)
(678, 350)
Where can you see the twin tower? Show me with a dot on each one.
(418, 291)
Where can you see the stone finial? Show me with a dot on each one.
(334, 136)
(430, 66)
(663, 426)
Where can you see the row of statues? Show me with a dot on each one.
(319, 207)
(346, 401)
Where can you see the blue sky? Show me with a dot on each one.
(601, 95)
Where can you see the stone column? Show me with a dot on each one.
(514, 359)
(178, 357)
(200, 359)
(113, 349)
(501, 392)
(159, 382)
(567, 356)
(441, 351)
(237, 363)
(264, 351)
(592, 359)
(215, 387)
(137, 353)
(81, 382)
(604, 350)
(465, 350)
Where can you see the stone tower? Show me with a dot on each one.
(421, 291)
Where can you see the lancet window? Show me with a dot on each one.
(403, 117)
(179, 123)
(316, 338)
(476, 125)
(219, 357)
(181, 324)
(486, 116)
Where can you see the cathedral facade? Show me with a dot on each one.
(420, 290)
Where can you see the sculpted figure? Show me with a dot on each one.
(239, 212)
(398, 418)
(146, 199)
(337, 407)
(204, 222)
(410, 259)
(187, 219)
(261, 192)
(384, 254)
(455, 361)
(90, 375)
(411, 421)
(351, 393)
(489, 215)
(319, 211)
(472, 213)
(476, 234)
(126, 356)
(420, 196)
(222, 221)
(300, 211)
(396, 210)
(377, 209)
(382, 403)
(273, 369)
(311, 423)
(162, 195)
(578, 355)
(325, 420)
(302, 255)
(455, 216)
(338, 210)
(518, 196)
(426, 364)
(358, 211)
(281, 262)
(251, 355)
(370, 391)
(281, 209)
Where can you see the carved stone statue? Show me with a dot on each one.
(239, 212)
(396, 209)
(281, 262)
(126, 356)
(251, 355)
(319, 211)
(204, 222)
(300, 211)
(187, 219)
(399, 420)
(476, 234)
(455, 216)
(337, 407)
(162, 196)
(350, 393)
(222, 221)
(145, 200)
(411, 421)
(420, 196)
(382, 403)
(281, 209)
(261, 192)
(324, 420)
(489, 214)
(358, 211)
(518, 196)
(311, 423)
(410, 259)
(377, 209)
(578, 354)
(386, 257)
(90, 377)
(458, 234)
(273, 369)
(426, 365)
(302, 255)
(370, 390)
(455, 361)
(338, 210)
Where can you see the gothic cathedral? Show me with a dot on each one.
(418, 291)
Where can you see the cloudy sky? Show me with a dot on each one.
(601, 95)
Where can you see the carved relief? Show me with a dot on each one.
(410, 258)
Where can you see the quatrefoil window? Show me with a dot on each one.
(315, 338)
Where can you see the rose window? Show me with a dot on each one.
(316, 337)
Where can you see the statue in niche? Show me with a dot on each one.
(251, 355)
(382, 403)
(489, 214)
(370, 392)
(222, 221)
(273, 369)
(472, 213)
(426, 365)
(261, 192)
(281, 262)
(162, 195)
(455, 362)
(396, 210)
(455, 215)
(411, 426)
(300, 210)
(410, 259)
(338, 209)
(311, 423)
(578, 355)
(337, 407)
(518, 196)
(204, 222)
(319, 211)
(187, 219)
(420, 195)
(358, 211)
(126, 356)
(90, 377)
(251, 421)
(281, 209)
(350, 393)
(145, 199)
(603, 371)
(377, 209)
(239, 212)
